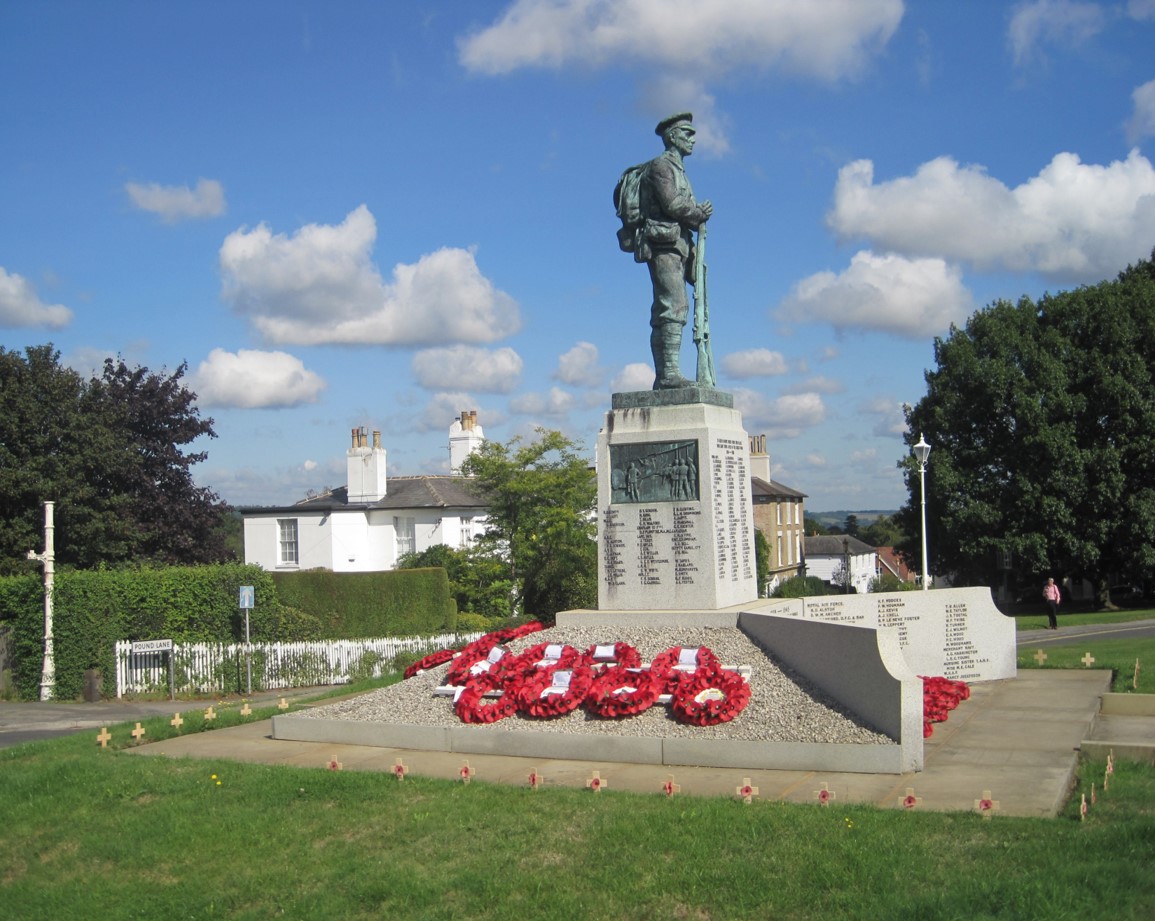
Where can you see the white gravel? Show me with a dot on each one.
(782, 708)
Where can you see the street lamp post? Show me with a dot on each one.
(921, 453)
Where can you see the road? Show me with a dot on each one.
(1071, 636)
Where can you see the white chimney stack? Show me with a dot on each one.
(366, 467)
(465, 437)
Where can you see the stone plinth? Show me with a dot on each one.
(675, 520)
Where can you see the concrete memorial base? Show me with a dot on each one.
(675, 520)
(862, 668)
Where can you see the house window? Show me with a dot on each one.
(405, 534)
(466, 533)
(287, 542)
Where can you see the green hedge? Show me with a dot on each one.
(353, 605)
(94, 609)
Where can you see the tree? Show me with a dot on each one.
(884, 531)
(850, 526)
(1042, 422)
(478, 578)
(813, 527)
(761, 561)
(542, 499)
(109, 452)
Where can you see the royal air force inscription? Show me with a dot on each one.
(960, 636)
(648, 482)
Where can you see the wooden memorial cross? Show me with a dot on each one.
(825, 795)
(176, 722)
(103, 737)
(399, 769)
(596, 782)
(282, 704)
(246, 710)
(747, 791)
(1088, 659)
(669, 787)
(138, 732)
(986, 805)
(1040, 657)
(909, 801)
(210, 715)
(466, 772)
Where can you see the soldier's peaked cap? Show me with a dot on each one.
(686, 118)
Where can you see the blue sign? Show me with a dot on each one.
(247, 597)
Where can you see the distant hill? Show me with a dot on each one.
(865, 517)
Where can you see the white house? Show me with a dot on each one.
(368, 524)
(829, 556)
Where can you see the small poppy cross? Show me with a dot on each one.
(534, 779)
(825, 795)
(596, 782)
(103, 737)
(210, 715)
(1040, 657)
(282, 704)
(335, 765)
(176, 722)
(747, 791)
(1088, 659)
(986, 805)
(466, 772)
(138, 732)
(669, 787)
(246, 710)
(909, 801)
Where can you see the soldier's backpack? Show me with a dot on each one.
(628, 205)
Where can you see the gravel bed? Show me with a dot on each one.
(782, 708)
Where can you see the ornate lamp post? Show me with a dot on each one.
(921, 453)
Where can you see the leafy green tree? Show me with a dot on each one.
(761, 560)
(542, 518)
(109, 452)
(1041, 418)
(813, 527)
(884, 531)
(850, 526)
(478, 578)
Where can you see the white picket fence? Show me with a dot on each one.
(208, 668)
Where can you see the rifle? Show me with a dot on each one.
(705, 373)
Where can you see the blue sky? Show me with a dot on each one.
(381, 214)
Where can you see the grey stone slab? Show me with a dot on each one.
(551, 745)
(354, 732)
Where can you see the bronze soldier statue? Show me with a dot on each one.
(659, 230)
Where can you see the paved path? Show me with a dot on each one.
(1018, 739)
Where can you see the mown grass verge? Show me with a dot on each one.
(1117, 655)
(91, 833)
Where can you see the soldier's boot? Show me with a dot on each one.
(665, 344)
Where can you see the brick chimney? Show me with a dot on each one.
(759, 459)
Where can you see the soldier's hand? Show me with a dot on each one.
(707, 210)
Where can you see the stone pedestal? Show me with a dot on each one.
(675, 520)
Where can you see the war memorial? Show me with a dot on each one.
(707, 674)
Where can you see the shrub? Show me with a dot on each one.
(802, 586)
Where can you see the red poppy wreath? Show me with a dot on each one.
(430, 661)
(622, 654)
(710, 696)
(620, 692)
(664, 663)
(472, 706)
(555, 691)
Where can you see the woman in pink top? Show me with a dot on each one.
(1051, 593)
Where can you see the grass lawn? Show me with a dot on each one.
(1118, 655)
(102, 834)
(1039, 621)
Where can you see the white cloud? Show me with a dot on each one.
(1141, 9)
(1072, 222)
(668, 93)
(632, 378)
(783, 417)
(480, 370)
(579, 366)
(826, 40)
(908, 297)
(442, 409)
(818, 384)
(889, 418)
(554, 404)
(20, 305)
(1142, 121)
(1052, 22)
(320, 286)
(174, 203)
(250, 379)
(754, 363)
